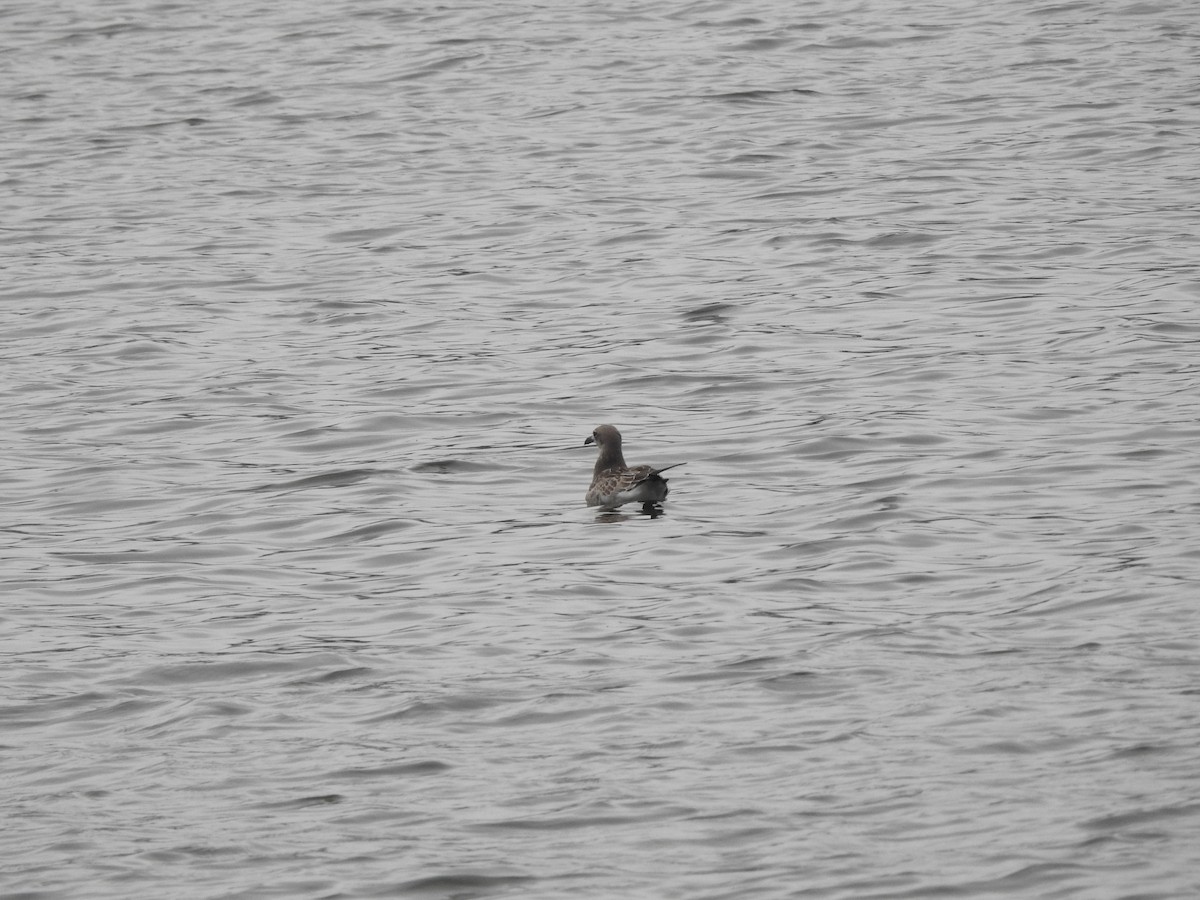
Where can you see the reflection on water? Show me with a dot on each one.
(645, 511)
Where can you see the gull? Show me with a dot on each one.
(614, 483)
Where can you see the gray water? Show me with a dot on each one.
(306, 311)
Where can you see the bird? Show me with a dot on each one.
(614, 483)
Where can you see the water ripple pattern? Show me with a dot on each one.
(308, 307)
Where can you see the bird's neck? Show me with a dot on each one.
(610, 458)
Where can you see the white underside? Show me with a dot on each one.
(642, 493)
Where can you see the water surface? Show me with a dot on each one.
(307, 310)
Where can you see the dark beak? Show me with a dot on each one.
(589, 440)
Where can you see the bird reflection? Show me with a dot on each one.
(653, 510)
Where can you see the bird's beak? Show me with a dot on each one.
(588, 440)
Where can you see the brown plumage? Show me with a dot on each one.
(615, 483)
